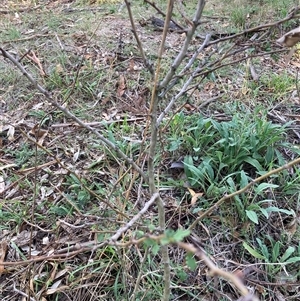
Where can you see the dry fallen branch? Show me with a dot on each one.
(290, 39)
(293, 15)
(164, 15)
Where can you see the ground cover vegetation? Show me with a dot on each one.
(149, 150)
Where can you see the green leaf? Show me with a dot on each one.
(264, 212)
(289, 251)
(252, 251)
(83, 196)
(254, 163)
(155, 249)
(149, 242)
(244, 179)
(293, 260)
(139, 234)
(252, 216)
(231, 184)
(180, 234)
(174, 145)
(263, 249)
(209, 170)
(191, 262)
(219, 155)
(275, 251)
(165, 240)
(275, 209)
(181, 274)
(269, 154)
(263, 186)
(151, 227)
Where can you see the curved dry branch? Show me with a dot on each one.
(292, 15)
(215, 271)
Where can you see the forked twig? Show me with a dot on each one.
(185, 86)
(189, 35)
(122, 230)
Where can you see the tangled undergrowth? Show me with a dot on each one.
(65, 195)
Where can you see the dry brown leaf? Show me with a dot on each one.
(189, 107)
(23, 238)
(53, 272)
(292, 226)
(76, 155)
(290, 54)
(291, 38)
(38, 133)
(121, 86)
(37, 61)
(194, 195)
(58, 289)
(131, 65)
(11, 133)
(59, 69)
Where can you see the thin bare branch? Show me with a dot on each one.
(152, 152)
(122, 230)
(139, 43)
(189, 35)
(215, 271)
(187, 83)
(215, 66)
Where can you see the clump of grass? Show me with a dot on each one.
(222, 157)
(278, 83)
